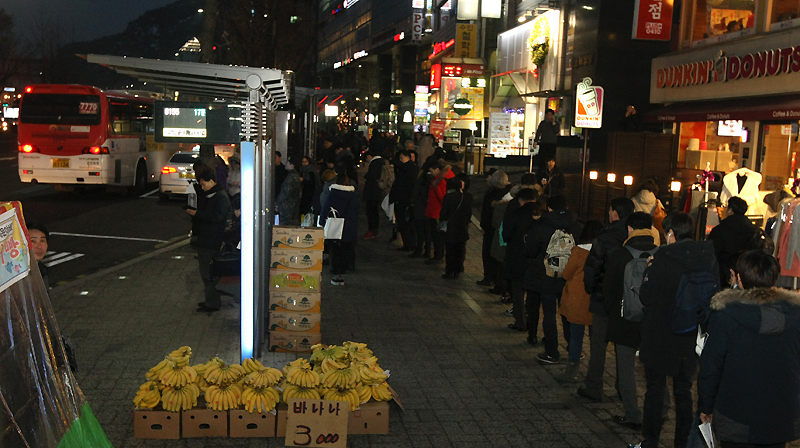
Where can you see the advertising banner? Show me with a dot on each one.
(500, 140)
(652, 19)
(15, 258)
(589, 105)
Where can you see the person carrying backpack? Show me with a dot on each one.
(624, 275)
(548, 245)
(667, 350)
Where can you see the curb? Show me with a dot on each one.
(183, 241)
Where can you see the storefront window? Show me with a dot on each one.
(718, 20)
(780, 159)
(784, 14)
(711, 144)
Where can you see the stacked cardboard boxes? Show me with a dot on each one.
(295, 282)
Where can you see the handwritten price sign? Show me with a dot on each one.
(317, 423)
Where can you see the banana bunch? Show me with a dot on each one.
(251, 365)
(176, 398)
(155, 372)
(321, 352)
(292, 391)
(261, 399)
(148, 395)
(348, 395)
(264, 377)
(303, 376)
(222, 398)
(364, 392)
(223, 374)
(176, 376)
(344, 378)
(329, 365)
(357, 350)
(369, 374)
(182, 352)
(381, 392)
(296, 363)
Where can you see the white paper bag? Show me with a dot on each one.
(334, 226)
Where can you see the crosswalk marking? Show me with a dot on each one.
(52, 258)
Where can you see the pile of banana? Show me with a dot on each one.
(349, 373)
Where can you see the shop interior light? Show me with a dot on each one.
(465, 82)
(371, 118)
(432, 108)
(398, 92)
(593, 175)
(611, 177)
(481, 82)
(407, 117)
(675, 186)
(627, 180)
(376, 95)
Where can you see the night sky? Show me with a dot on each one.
(83, 19)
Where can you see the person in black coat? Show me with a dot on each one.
(373, 195)
(344, 199)
(625, 334)
(611, 238)
(400, 195)
(208, 231)
(662, 352)
(542, 288)
(280, 172)
(749, 386)
(497, 187)
(515, 227)
(551, 178)
(419, 203)
(733, 236)
(457, 211)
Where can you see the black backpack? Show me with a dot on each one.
(692, 301)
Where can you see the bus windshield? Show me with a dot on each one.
(49, 108)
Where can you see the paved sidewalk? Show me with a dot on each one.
(464, 378)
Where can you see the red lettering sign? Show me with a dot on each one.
(652, 19)
(436, 76)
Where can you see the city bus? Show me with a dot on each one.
(73, 135)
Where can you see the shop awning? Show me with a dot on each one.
(786, 107)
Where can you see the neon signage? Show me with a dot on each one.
(439, 47)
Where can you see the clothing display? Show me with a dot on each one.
(744, 184)
(787, 238)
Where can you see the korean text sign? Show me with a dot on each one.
(589, 105)
(652, 19)
(14, 253)
(317, 423)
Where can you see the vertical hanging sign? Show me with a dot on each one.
(466, 40)
(467, 10)
(417, 25)
(15, 258)
(652, 19)
(491, 9)
(589, 105)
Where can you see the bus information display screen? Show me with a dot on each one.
(197, 122)
(184, 122)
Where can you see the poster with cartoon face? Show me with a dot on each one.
(14, 252)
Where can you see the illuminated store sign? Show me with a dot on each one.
(349, 3)
(439, 47)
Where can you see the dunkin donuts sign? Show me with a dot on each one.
(730, 68)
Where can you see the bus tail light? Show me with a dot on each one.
(28, 149)
(95, 150)
(168, 170)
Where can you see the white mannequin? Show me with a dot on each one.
(749, 192)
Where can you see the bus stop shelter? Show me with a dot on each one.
(260, 92)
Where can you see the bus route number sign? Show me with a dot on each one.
(317, 423)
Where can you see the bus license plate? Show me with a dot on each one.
(187, 175)
(60, 163)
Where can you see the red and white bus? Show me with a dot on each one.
(72, 135)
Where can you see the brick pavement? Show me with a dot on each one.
(464, 378)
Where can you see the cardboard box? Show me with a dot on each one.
(724, 161)
(307, 238)
(699, 160)
(294, 281)
(292, 321)
(370, 418)
(156, 424)
(204, 423)
(293, 341)
(294, 301)
(245, 424)
(296, 259)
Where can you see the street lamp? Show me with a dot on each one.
(610, 179)
(628, 181)
(674, 187)
(589, 209)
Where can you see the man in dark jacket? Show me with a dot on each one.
(542, 288)
(551, 178)
(611, 238)
(373, 195)
(734, 235)
(664, 353)
(280, 172)
(400, 195)
(457, 211)
(208, 230)
(496, 184)
(623, 333)
(749, 383)
(515, 227)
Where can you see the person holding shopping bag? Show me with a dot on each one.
(342, 202)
